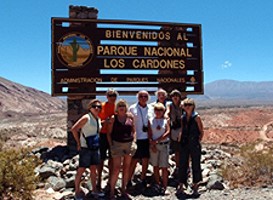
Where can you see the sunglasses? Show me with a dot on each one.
(159, 110)
(143, 96)
(121, 106)
(175, 95)
(96, 106)
(188, 104)
(112, 95)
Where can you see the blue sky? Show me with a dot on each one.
(237, 34)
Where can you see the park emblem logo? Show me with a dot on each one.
(75, 50)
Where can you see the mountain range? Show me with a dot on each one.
(236, 93)
(16, 99)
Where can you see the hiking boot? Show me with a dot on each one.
(156, 188)
(129, 184)
(164, 191)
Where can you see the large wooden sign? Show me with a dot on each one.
(89, 56)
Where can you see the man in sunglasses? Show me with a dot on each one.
(108, 109)
(140, 111)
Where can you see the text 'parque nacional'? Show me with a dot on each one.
(92, 54)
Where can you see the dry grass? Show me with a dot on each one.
(256, 168)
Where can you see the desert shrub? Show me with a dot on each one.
(17, 177)
(256, 168)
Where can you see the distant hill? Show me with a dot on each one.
(240, 93)
(240, 89)
(17, 100)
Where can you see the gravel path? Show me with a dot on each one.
(236, 194)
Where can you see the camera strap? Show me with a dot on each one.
(142, 115)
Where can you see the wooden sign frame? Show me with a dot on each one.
(90, 55)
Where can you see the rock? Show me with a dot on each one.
(50, 191)
(58, 153)
(39, 150)
(74, 163)
(54, 164)
(64, 195)
(62, 174)
(206, 172)
(205, 180)
(217, 186)
(70, 182)
(46, 171)
(66, 162)
(214, 181)
(56, 183)
(215, 163)
(70, 174)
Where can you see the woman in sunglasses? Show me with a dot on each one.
(190, 146)
(88, 146)
(121, 136)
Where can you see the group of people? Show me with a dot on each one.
(140, 133)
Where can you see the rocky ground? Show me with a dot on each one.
(229, 127)
(59, 169)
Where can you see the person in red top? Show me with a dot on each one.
(108, 109)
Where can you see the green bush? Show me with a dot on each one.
(17, 177)
(256, 168)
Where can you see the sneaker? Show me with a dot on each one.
(195, 194)
(162, 191)
(98, 194)
(180, 189)
(78, 198)
(144, 183)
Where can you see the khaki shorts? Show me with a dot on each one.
(160, 158)
(119, 149)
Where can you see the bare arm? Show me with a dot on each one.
(167, 112)
(133, 125)
(76, 127)
(110, 129)
(150, 133)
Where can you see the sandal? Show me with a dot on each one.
(125, 195)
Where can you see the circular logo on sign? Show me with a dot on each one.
(75, 50)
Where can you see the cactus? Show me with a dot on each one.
(75, 48)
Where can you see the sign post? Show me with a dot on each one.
(76, 104)
(128, 55)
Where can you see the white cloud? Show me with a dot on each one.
(226, 65)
